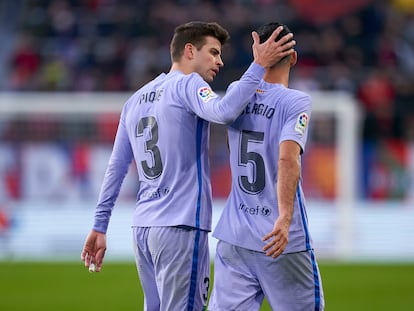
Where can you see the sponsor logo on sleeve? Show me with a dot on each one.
(301, 123)
(206, 93)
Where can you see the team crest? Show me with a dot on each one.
(301, 123)
(206, 93)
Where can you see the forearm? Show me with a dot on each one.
(109, 193)
(213, 108)
(116, 171)
(236, 97)
(287, 182)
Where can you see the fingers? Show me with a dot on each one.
(272, 38)
(284, 53)
(93, 260)
(268, 236)
(285, 42)
(86, 257)
(287, 48)
(275, 33)
(256, 39)
(93, 251)
(274, 248)
(100, 254)
(270, 52)
(271, 244)
(274, 252)
(84, 254)
(276, 245)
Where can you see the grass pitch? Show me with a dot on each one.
(70, 287)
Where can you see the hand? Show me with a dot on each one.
(94, 249)
(270, 52)
(280, 238)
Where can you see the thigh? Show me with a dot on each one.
(145, 269)
(292, 282)
(182, 267)
(235, 285)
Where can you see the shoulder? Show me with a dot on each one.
(135, 98)
(193, 84)
(132, 100)
(299, 95)
(189, 82)
(191, 77)
(299, 99)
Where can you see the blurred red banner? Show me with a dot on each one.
(324, 11)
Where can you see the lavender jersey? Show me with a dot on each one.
(164, 128)
(273, 115)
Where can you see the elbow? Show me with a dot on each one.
(229, 117)
(228, 121)
(225, 120)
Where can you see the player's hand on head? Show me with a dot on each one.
(270, 52)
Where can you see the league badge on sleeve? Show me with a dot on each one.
(301, 123)
(206, 93)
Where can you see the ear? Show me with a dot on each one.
(188, 51)
(293, 59)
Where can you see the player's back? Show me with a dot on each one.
(273, 115)
(170, 146)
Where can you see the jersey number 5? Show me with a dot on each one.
(255, 159)
(150, 171)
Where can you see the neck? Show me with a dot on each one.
(180, 67)
(277, 75)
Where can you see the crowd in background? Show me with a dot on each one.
(365, 47)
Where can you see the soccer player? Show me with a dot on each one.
(264, 247)
(164, 128)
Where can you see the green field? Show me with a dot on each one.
(69, 286)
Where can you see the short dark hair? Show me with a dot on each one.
(266, 30)
(195, 33)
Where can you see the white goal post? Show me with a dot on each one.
(346, 111)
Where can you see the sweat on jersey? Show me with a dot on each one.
(274, 114)
(164, 128)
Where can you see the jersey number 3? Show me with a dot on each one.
(155, 169)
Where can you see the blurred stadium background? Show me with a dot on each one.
(67, 67)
